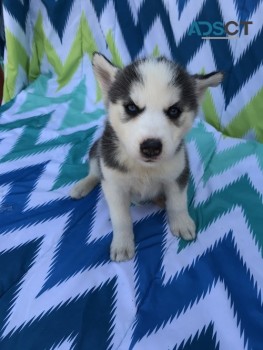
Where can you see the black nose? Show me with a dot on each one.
(151, 148)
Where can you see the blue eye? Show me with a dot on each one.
(132, 109)
(174, 112)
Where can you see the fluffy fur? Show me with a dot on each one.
(141, 155)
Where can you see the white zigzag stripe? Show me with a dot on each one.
(203, 312)
(17, 316)
(125, 306)
(242, 98)
(106, 26)
(102, 225)
(15, 29)
(45, 302)
(228, 143)
(237, 103)
(229, 13)
(41, 304)
(206, 239)
(108, 11)
(45, 182)
(62, 48)
(4, 190)
(22, 80)
(50, 132)
(74, 287)
(197, 63)
(65, 344)
(135, 7)
(12, 113)
(254, 29)
(157, 32)
(95, 26)
(189, 14)
(10, 138)
(218, 182)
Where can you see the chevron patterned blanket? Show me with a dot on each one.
(58, 287)
(59, 290)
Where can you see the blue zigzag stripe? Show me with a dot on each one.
(100, 249)
(228, 264)
(134, 38)
(246, 8)
(134, 34)
(181, 6)
(96, 307)
(18, 10)
(23, 182)
(61, 7)
(86, 312)
(205, 340)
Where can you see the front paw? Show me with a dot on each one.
(122, 250)
(182, 225)
(79, 190)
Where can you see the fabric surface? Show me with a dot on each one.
(56, 36)
(59, 290)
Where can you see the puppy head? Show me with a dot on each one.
(151, 104)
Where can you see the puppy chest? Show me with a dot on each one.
(145, 189)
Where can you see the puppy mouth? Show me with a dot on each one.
(150, 160)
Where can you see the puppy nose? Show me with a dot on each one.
(151, 148)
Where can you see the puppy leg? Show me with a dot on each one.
(122, 246)
(179, 219)
(84, 186)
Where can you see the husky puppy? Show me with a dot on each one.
(141, 155)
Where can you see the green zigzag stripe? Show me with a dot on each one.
(17, 57)
(205, 142)
(84, 43)
(116, 58)
(242, 122)
(230, 157)
(209, 109)
(72, 168)
(246, 118)
(216, 163)
(240, 193)
(75, 99)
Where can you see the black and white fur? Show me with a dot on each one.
(141, 155)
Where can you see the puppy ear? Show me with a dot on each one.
(105, 73)
(203, 81)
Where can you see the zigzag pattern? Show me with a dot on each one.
(58, 288)
(64, 276)
(132, 29)
(29, 140)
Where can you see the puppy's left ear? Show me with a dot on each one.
(203, 81)
(105, 73)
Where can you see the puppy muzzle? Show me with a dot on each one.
(151, 149)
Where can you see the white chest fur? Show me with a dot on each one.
(145, 183)
(145, 188)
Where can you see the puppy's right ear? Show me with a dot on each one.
(203, 81)
(105, 73)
